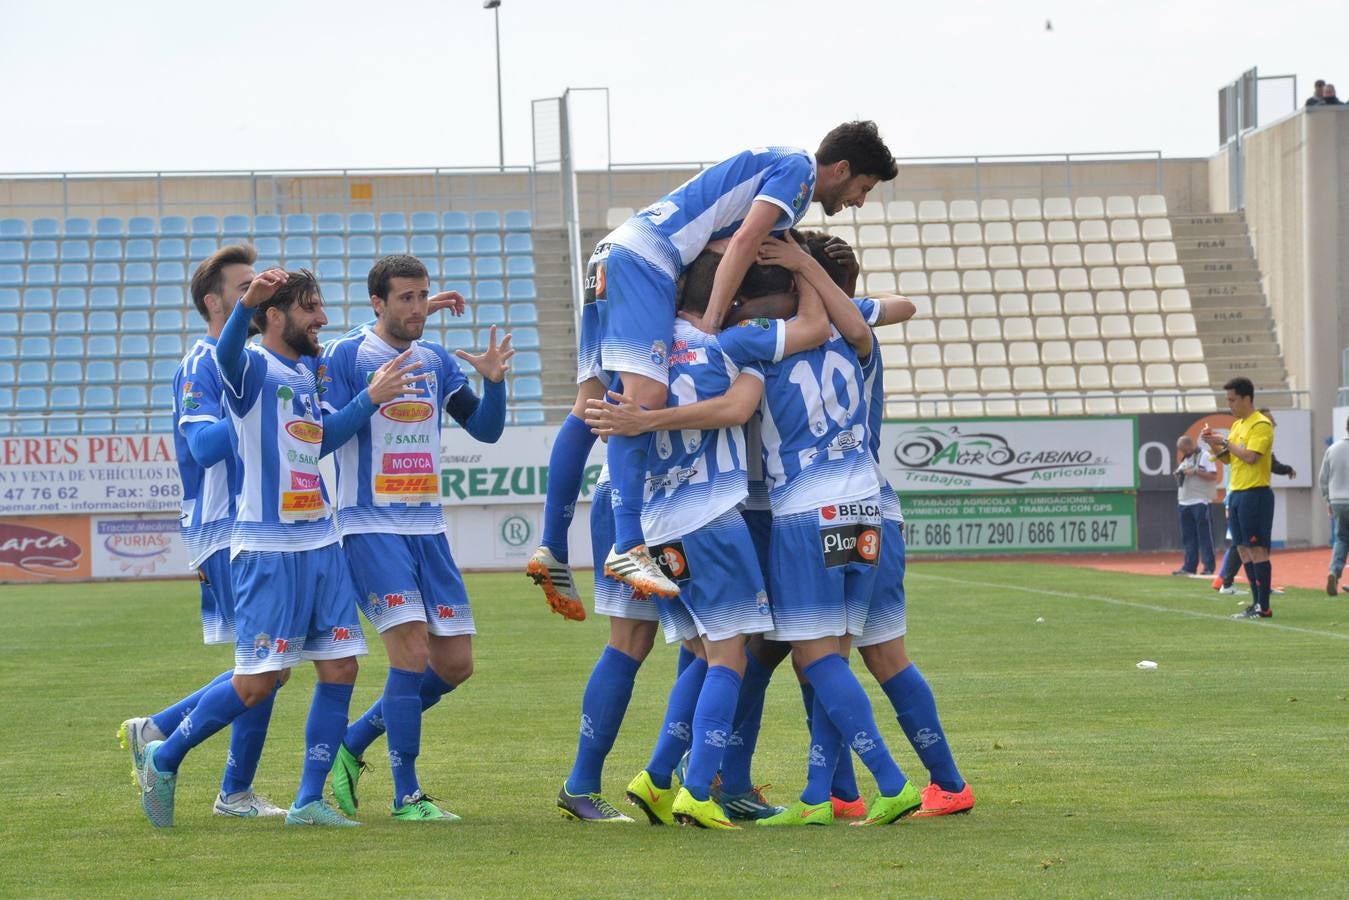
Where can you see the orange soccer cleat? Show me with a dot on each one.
(937, 802)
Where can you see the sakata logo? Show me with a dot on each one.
(587, 728)
(817, 756)
(320, 753)
(680, 730)
(925, 738)
(862, 743)
(715, 738)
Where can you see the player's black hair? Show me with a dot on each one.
(759, 281)
(861, 145)
(208, 278)
(386, 268)
(1242, 387)
(301, 287)
(814, 242)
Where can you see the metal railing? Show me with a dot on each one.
(940, 406)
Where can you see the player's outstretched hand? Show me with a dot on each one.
(841, 252)
(451, 300)
(394, 379)
(622, 416)
(493, 363)
(784, 252)
(263, 287)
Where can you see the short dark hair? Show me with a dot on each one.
(861, 145)
(759, 281)
(1320, 82)
(386, 268)
(815, 242)
(298, 288)
(209, 277)
(1242, 387)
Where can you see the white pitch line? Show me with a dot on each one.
(1112, 601)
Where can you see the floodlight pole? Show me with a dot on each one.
(495, 7)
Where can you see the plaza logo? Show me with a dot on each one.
(1069, 454)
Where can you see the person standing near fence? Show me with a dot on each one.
(1197, 486)
(1334, 482)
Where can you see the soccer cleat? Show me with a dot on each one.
(1230, 591)
(156, 789)
(555, 579)
(802, 813)
(133, 735)
(1332, 585)
(637, 568)
(318, 812)
(937, 802)
(347, 770)
(751, 805)
(587, 808)
(655, 802)
(707, 813)
(884, 810)
(1254, 611)
(1218, 583)
(245, 805)
(421, 808)
(849, 809)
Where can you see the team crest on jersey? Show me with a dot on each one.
(658, 352)
(190, 396)
(801, 196)
(262, 646)
(765, 324)
(429, 384)
(323, 378)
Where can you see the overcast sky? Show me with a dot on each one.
(251, 84)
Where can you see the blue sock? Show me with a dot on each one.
(826, 749)
(166, 720)
(843, 783)
(677, 731)
(711, 728)
(566, 469)
(735, 763)
(842, 695)
(686, 656)
(433, 688)
(322, 733)
(217, 708)
(247, 735)
(602, 708)
(916, 709)
(627, 473)
(370, 725)
(1263, 574)
(403, 720)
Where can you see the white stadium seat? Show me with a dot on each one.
(1034, 255)
(936, 234)
(1180, 325)
(1151, 205)
(944, 282)
(1176, 300)
(1161, 253)
(1033, 406)
(1169, 277)
(964, 211)
(1008, 280)
(1063, 231)
(892, 334)
(1154, 350)
(932, 211)
(1023, 353)
(899, 381)
(1156, 230)
(956, 355)
(1126, 377)
(982, 330)
(948, 306)
(814, 217)
(927, 381)
(1030, 232)
(1073, 279)
(1100, 403)
(1078, 303)
(1160, 377)
(1093, 377)
(1067, 255)
(965, 404)
(1002, 257)
(1111, 303)
(900, 211)
(1058, 208)
(991, 354)
(1200, 401)
(1122, 230)
(842, 217)
(995, 378)
(1187, 350)
(617, 215)
(1165, 404)
(1148, 326)
(1083, 328)
(846, 232)
(917, 331)
(1105, 278)
(904, 236)
(962, 379)
(995, 210)
(922, 305)
(1142, 301)
(1046, 303)
(1040, 280)
(999, 404)
(924, 356)
(1098, 255)
(966, 234)
(996, 233)
(872, 236)
(939, 258)
(1137, 278)
(1050, 328)
(1121, 350)
(1028, 378)
(1056, 353)
(976, 282)
(912, 283)
(1093, 231)
(971, 258)
(1026, 209)
(881, 283)
(1061, 378)
(1115, 327)
(1013, 304)
(901, 409)
(1193, 375)
(908, 259)
(1131, 254)
(981, 305)
(1087, 353)
(876, 260)
(1118, 207)
(1089, 208)
(871, 213)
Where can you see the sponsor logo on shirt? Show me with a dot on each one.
(309, 432)
(392, 600)
(763, 323)
(444, 612)
(408, 464)
(304, 481)
(407, 411)
(674, 562)
(190, 396)
(680, 353)
(341, 634)
(801, 195)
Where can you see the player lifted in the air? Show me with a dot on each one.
(628, 320)
(392, 524)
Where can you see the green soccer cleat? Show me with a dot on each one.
(419, 808)
(802, 813)
(318, 812)
(133, 735)
(157, 789)
(688, 810)
(884, 810)
(347, 770)
(655, 802)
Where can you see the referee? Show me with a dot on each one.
(1248, 449)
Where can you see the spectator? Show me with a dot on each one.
(1315, 98)
(1334, 481)
(1197, 486)
(1328, 97)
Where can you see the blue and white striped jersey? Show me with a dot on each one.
(815, 441)
(695, 476)
(671, 232)
(873, 379)
(387, 474)
(208, 493)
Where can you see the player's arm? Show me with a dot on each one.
(231, 357)
(740, 253)
(893, 309)
(208, 442)
(391, 380)
(484, 417)
(839, 306)
(625, 416)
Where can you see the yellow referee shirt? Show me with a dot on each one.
(1256, 433)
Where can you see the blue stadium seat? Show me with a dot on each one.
(359, 268)
(267, 226)
(525, 338)
(138, 273)
(267, 247)
(42, 251)
(30, 399)
(100, 371)
(109, 273)
(170, 273)
(528, 414)
(9, 347)
(236, 228)
(98, 397)
(173, 226)
(74, 251)
(519, 220)
(361, 245)
(520, 266)
(38, 298)
(357, 295)
(13, 228)
(527, 362)
(133, 344)
(456, 222)
(107, 251)
(37, 322)
(108, 226)
(160, 424)
(330, 246)
(301, 246)
(70, 298)
(170, 296)
(266, 262)
(487, 220)
(463, 287)
(78, 226)
(135, 321)
(392, 243)
(205, 226)
(65, 398)
(489, 290)
(46, 228)
(486, 244)
(9, 323)
(392, 221)
(457, 267)
(528, 387)
(424, 245)
(360, 223)
(425, 223)
(459, 339)
(6, 373)
(337, 317)
(30, 426)
(161, 397)
(521, 289)
(35, 346)
(136, 296)
(11, 251)
(432, 269)
(171, 248)
(102, 321)
(70, 321)
(331, 223)
(140, 250)
(202, 247)
(96, 424)
(489, 314)
(132, 396)
(488, 267)
(142, 226)
(523, 314)
(63, 425)
(11, 275)
(74, 273)
(101, 346)
(164, 370)
(455, 245)
(194, 264)
(68, 371)
(299, 223)
(332, 291)
(519, 243)
(169, 345)
(35, 373)
(131, 371)
(9, 298)
(103, 297)
(331, 270)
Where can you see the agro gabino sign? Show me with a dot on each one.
(1009, 455)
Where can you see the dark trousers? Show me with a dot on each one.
(1197, 537)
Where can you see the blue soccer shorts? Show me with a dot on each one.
(760, 525)
(612, 598)
(217, 598)
(885, 618)
(721, 591)
(404, 578)
(293, 606)
(632, 323)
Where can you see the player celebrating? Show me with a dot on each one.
(209, 471)
(293, 593)
(392, 523)
(629, 314)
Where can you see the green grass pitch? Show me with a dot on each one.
(1222, 772)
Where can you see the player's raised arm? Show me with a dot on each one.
(209, 442)
(839, 306)
(740, 254)
(484, 417)
(626, 417)
(229, 349)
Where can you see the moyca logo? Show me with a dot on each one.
(36, 548)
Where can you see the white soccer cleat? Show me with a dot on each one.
(133, 735)
(246, 805)
(638, 569)
(554, 576)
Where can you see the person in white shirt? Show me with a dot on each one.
(1334, 481)
(1197, 486)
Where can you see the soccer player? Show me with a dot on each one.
(1248, 449)
(294, 597)
(392, 525)
(209, 471)
(629, 315)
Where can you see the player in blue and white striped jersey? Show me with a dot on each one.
(627, 325)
